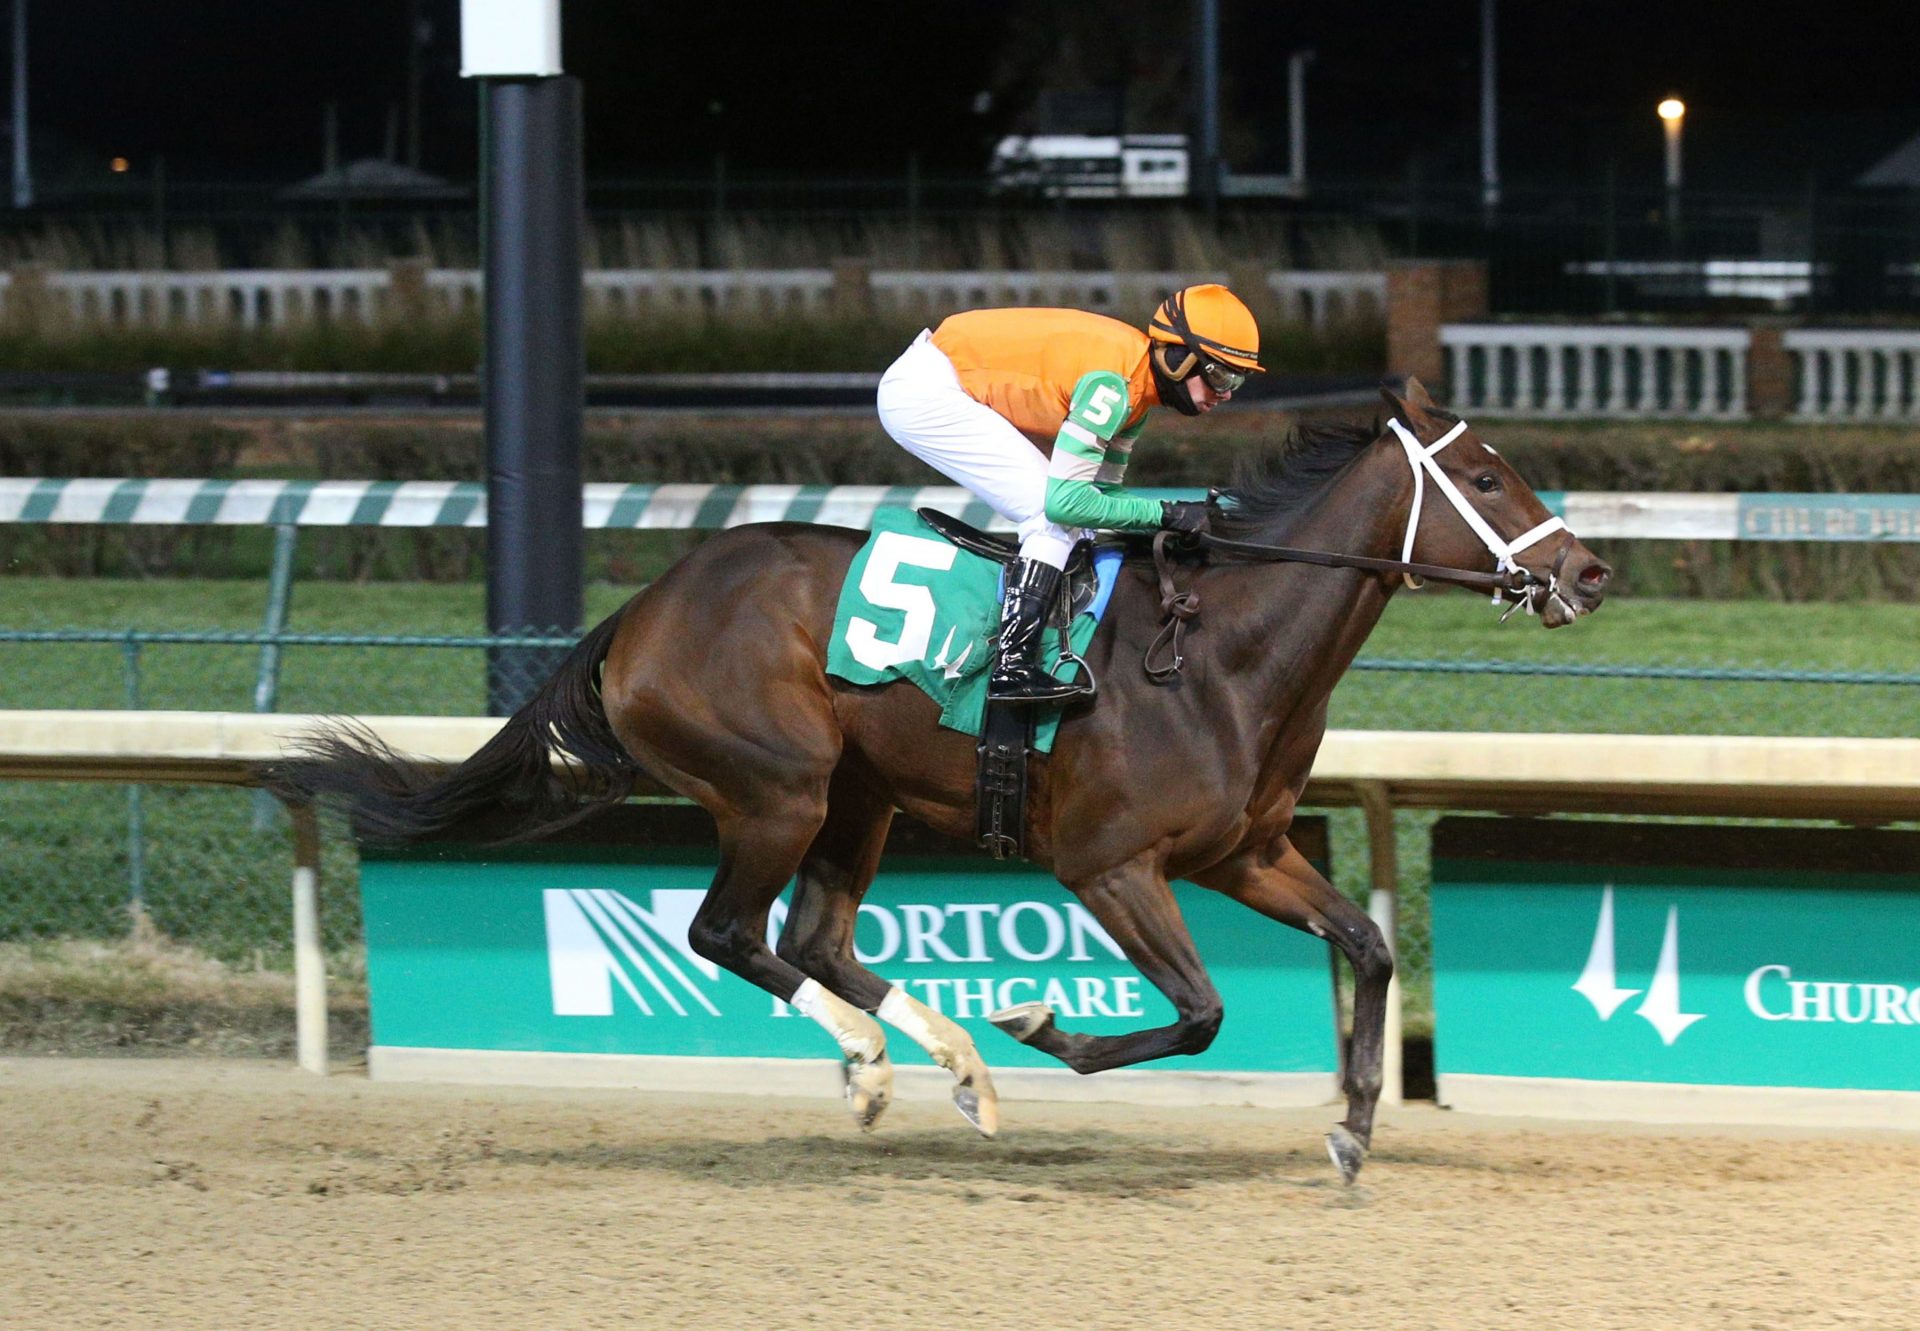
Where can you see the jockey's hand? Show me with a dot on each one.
(1185, 516)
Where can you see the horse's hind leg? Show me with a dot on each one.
(759, 853)
(818, 939)
(1283, 885)
(1137, 909)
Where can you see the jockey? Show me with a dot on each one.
(984, 397)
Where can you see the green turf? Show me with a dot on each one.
(1449, 626)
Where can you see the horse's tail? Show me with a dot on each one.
(555, 762)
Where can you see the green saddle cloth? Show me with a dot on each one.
(919, 608)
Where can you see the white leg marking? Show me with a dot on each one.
(938, 1035)
(858, 1035)
(863, 1046)
(952, 1048)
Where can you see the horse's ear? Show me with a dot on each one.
(1408, 397)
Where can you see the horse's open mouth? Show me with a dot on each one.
(1572, 588)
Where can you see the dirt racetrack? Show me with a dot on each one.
(234, 1195)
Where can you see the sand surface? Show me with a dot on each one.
(186, 1194)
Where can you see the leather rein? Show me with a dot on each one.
(1177, 607)
(1510, 582)
(1514, 581)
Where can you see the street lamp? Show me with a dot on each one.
(1673, 114)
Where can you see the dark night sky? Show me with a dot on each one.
(234, 88)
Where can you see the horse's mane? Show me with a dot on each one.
(1272, 488)
(1275, 487)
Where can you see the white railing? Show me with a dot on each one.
(1572, 370)
(1320, 299)
(927, 294)
(1855, 375)
(632, 292)
(250, 297)
(273, 297)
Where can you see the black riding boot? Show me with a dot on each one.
(1032, 589)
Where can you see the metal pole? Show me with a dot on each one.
(1612, 243)
(266, 682)
(1208, 38)
(1813, 242)
(1489, 112)
(1413, 206)
(136, 811)
(1297, 120)
(22, 170)
(417, 31)
(160, 209)
(1672, 127)
(535, 377)
(913, 211)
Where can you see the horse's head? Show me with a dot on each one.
(1472, 510)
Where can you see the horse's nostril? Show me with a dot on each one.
(1594, 576)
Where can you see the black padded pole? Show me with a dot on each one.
(535, 376)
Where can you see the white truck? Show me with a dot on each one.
(1091, 166)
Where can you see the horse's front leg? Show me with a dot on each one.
(1136, 907)
(1280, 883)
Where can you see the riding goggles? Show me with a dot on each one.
(1221, 377)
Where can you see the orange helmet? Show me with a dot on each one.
(1206, 330)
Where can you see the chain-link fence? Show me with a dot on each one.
(206, 871)
(159, 915)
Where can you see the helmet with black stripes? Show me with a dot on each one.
(1203, 330)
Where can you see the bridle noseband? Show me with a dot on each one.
(1420, 457)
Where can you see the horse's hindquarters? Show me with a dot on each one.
(716, 681)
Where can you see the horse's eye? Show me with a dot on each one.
(1486, 482)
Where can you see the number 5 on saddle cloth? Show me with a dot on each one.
(921, 603)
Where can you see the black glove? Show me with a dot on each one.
(1185, 516)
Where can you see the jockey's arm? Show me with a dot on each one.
(1090, 454)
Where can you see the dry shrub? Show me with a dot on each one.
(146, 993)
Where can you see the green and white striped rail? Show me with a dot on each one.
(457, 503)
(1715, 517)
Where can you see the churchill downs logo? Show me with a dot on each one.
(1770, 991)
(600, 941)
(1661, 1006)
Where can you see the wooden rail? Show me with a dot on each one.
(1856, 781)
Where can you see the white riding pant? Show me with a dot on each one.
(927, 412)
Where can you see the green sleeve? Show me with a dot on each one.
(1090, 461)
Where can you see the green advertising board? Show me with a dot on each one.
(581, 949)
(1664, 970)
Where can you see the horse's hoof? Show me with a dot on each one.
(1346, 1152)
(869, 1088)
(1023, 1021)
(978, 1104)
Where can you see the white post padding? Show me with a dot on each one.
(309, 958)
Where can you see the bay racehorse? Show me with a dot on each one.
(711, 683)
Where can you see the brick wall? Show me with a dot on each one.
(1422, 294)
(1769, 371)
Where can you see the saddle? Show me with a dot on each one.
(1006, 736)
(1080, 584)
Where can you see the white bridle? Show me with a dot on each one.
(1420, 458)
